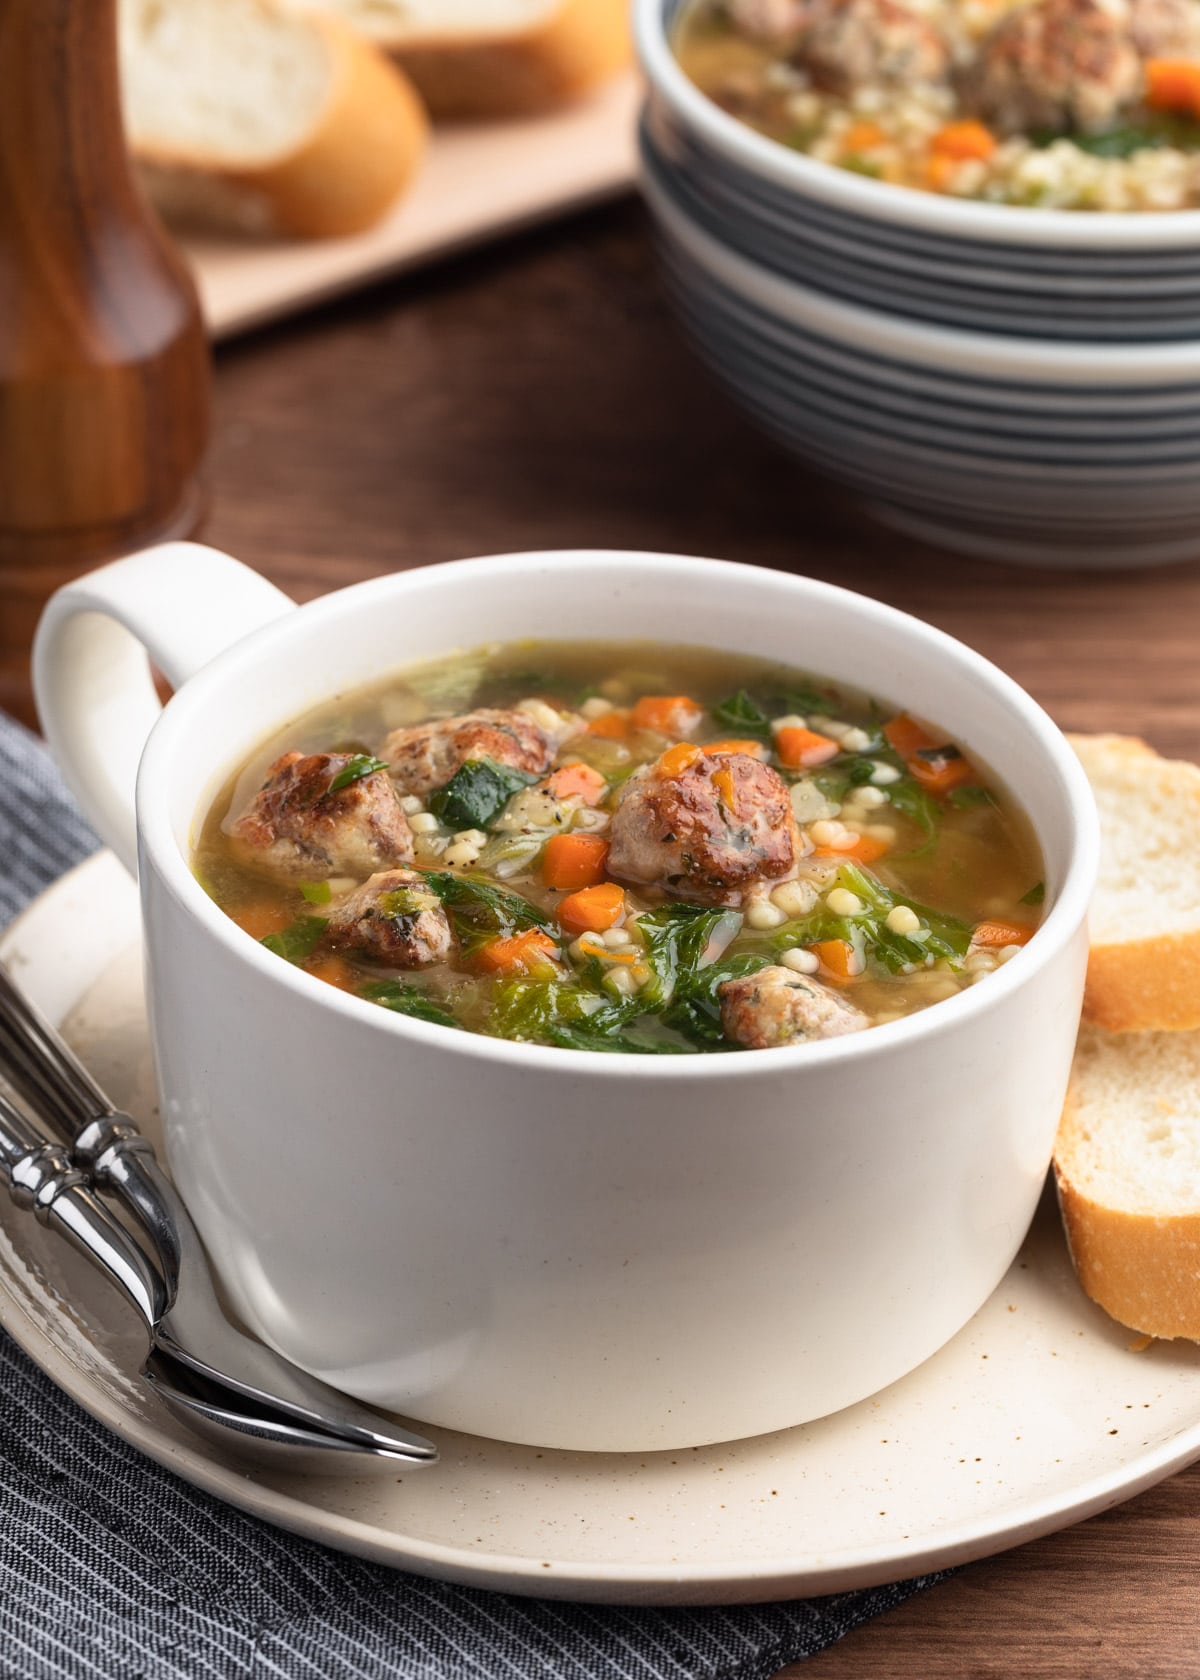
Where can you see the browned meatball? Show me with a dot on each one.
(297, 826)
(1165, 28)
(426, 755)
(777, 1006)
(846, 44)
(394, 918)
(768, 20)
(1060, 65)
(704, 827)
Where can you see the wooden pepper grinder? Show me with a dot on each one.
(104, 366)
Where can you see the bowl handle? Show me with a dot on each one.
(180, 604)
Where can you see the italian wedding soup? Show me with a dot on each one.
(625, 848)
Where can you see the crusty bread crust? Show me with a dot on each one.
(1147, 985)
(359, 157)
(1142, 1268)
(582, 45)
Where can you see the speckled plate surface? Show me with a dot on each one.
(1036, 1415)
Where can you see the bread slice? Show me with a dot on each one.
(1144, 965)
(1127, 1165)
(497, 58)
(294, 112)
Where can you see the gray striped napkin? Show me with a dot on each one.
(113, 1569)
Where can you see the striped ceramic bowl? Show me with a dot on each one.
(1055, 274)
(1011, 448)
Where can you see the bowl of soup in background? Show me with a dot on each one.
(563, 1248)
(993, 268)
(1059, 454)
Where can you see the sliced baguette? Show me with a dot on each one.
(1127, 1166)
(1144, 964)
(296, 113)
(497, 58)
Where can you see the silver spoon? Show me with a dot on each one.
(184, 1317)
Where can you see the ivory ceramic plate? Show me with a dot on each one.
(478, 181)
(1036, 1415)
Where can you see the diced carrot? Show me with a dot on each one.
(723, 782)
(939, 775)
(571, 861)
(677, 759)
(261, 919)
(668, 714)
(1001, 933)
(965, 139)
(804, 749)
(335, 972)
(837, 957)
(906, 736)
(592, 910)
(1173, 84)
(754, 748)
(865, 850)
(861, 136)
(940, 171)
(577, 781)
(519, 950)
(613, 726)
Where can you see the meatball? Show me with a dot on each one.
(394, 918)
(777, 1006)
(426, 755)
(846, 44)
(705, 827)
(298, 825)
(1165, 28)
(1060, 65)
(768, 20)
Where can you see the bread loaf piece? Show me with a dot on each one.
(1144, 965)
(1127, 1166)
(493, 58)
(252, 111)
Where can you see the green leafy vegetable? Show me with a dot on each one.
(676, 939)
(408, 1000)
(802, 701)
(695, 1010)
(964, 798)
(477, 793)
(744, 714)
(941, 937)
(480, 910)
(316, 892)
(362, 764)
(912, 801)
(1036, 894)
(298, 940)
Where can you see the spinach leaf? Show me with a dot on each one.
(744, 714)
(802, 701)
(298, 940)
(964, 798)
(1036, 894)
(941, 936)
(695, 1010)
(586, 1036)
(911, 800)
(408, 1000)
(676, 938)
(362, 764)
(479, 906)
(477, 793)
(316, 892)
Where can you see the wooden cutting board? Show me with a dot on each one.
(479, 180)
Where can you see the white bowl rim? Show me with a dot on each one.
(998, 356)
(157, 836)
(952, 218)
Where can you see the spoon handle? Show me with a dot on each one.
(41, 1179)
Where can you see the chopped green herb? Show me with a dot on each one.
(316, 892)
(298, 940)
(964, 798)
(408, 1000)
(477, 793)
(941, 936)
(1036, 894)
(744, 714)
(362, 764)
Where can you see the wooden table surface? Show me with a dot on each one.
(538, 396)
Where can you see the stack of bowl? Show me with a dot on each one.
(1019, 384)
